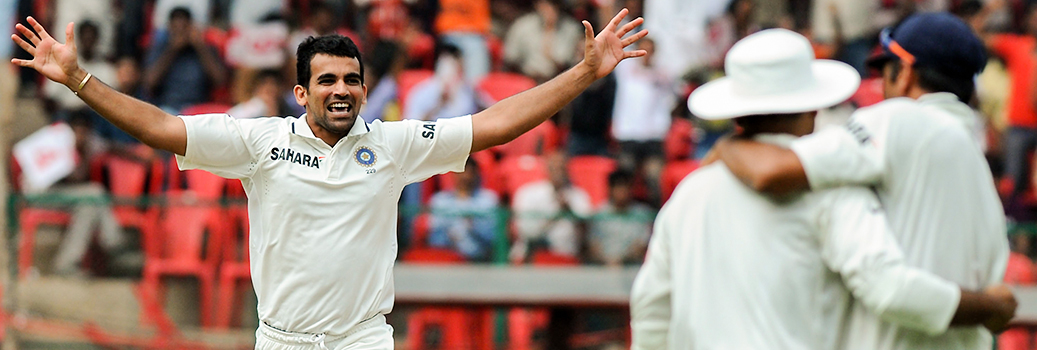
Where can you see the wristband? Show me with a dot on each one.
(82, 83)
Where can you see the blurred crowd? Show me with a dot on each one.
(582, 188)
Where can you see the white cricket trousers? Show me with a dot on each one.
(371, 334)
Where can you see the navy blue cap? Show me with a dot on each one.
(937, 40)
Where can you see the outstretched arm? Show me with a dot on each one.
(764, 167)
(518, 114)
(58, 62)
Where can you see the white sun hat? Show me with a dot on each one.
(773, 72)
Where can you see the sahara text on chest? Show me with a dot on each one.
(290, 155)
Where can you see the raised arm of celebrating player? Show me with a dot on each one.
(58, 62)
(518, 114)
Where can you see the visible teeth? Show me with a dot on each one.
(340, 105)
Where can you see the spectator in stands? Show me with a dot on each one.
(446, 94)
(591, 115)
(90, 214)
(182, 68)
(267, 97)
(849, 25)
(64, 101)
(549, 214)
(1021, 137)
(620, 230)
(322, 21)
(465, 219)
(645, 97)
(540, 44)
(465, 24)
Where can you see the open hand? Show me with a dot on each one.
(54, 60)
(603, 52)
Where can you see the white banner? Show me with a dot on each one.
(46, 156)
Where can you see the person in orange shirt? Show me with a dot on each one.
(465, 24)
(1021, 136)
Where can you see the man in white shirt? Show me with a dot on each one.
(728, 268)
(323, 188)
(921, 160)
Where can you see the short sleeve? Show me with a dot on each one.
(423, 149)
(222, 145)
(857, 244)
(846, 155)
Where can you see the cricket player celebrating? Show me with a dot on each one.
(323, 188)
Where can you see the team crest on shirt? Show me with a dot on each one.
(365, 157)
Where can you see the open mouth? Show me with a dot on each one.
(340, 107)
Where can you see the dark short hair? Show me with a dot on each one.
(88, 25)
(621, 177)
(935, 80)
(334, 45)
(180, 11)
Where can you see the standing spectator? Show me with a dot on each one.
(849, 25)
(446, 94)
(91, 58)
(620, 230)
(89, 214)
(641, 118)
(181, 67)
(549, 213)
(540, 44)
(266, 97)
(465, 24)
(465, 218)
(100, 12)
(591, 115)
(1021, 136)
(679, 29)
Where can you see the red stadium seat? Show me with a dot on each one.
(234, 267)
(591, 173)
(407, 80)
(497, 86)
(181, 248)
(517, 171)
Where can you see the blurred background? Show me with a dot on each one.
(109, 246)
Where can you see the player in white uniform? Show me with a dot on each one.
(323, 188)
(728, 268)
(917, 151)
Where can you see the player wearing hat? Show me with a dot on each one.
(917, 152)
(728, 268)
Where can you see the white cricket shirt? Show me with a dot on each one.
(323, 219)
(728, 268)
(939, 196)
